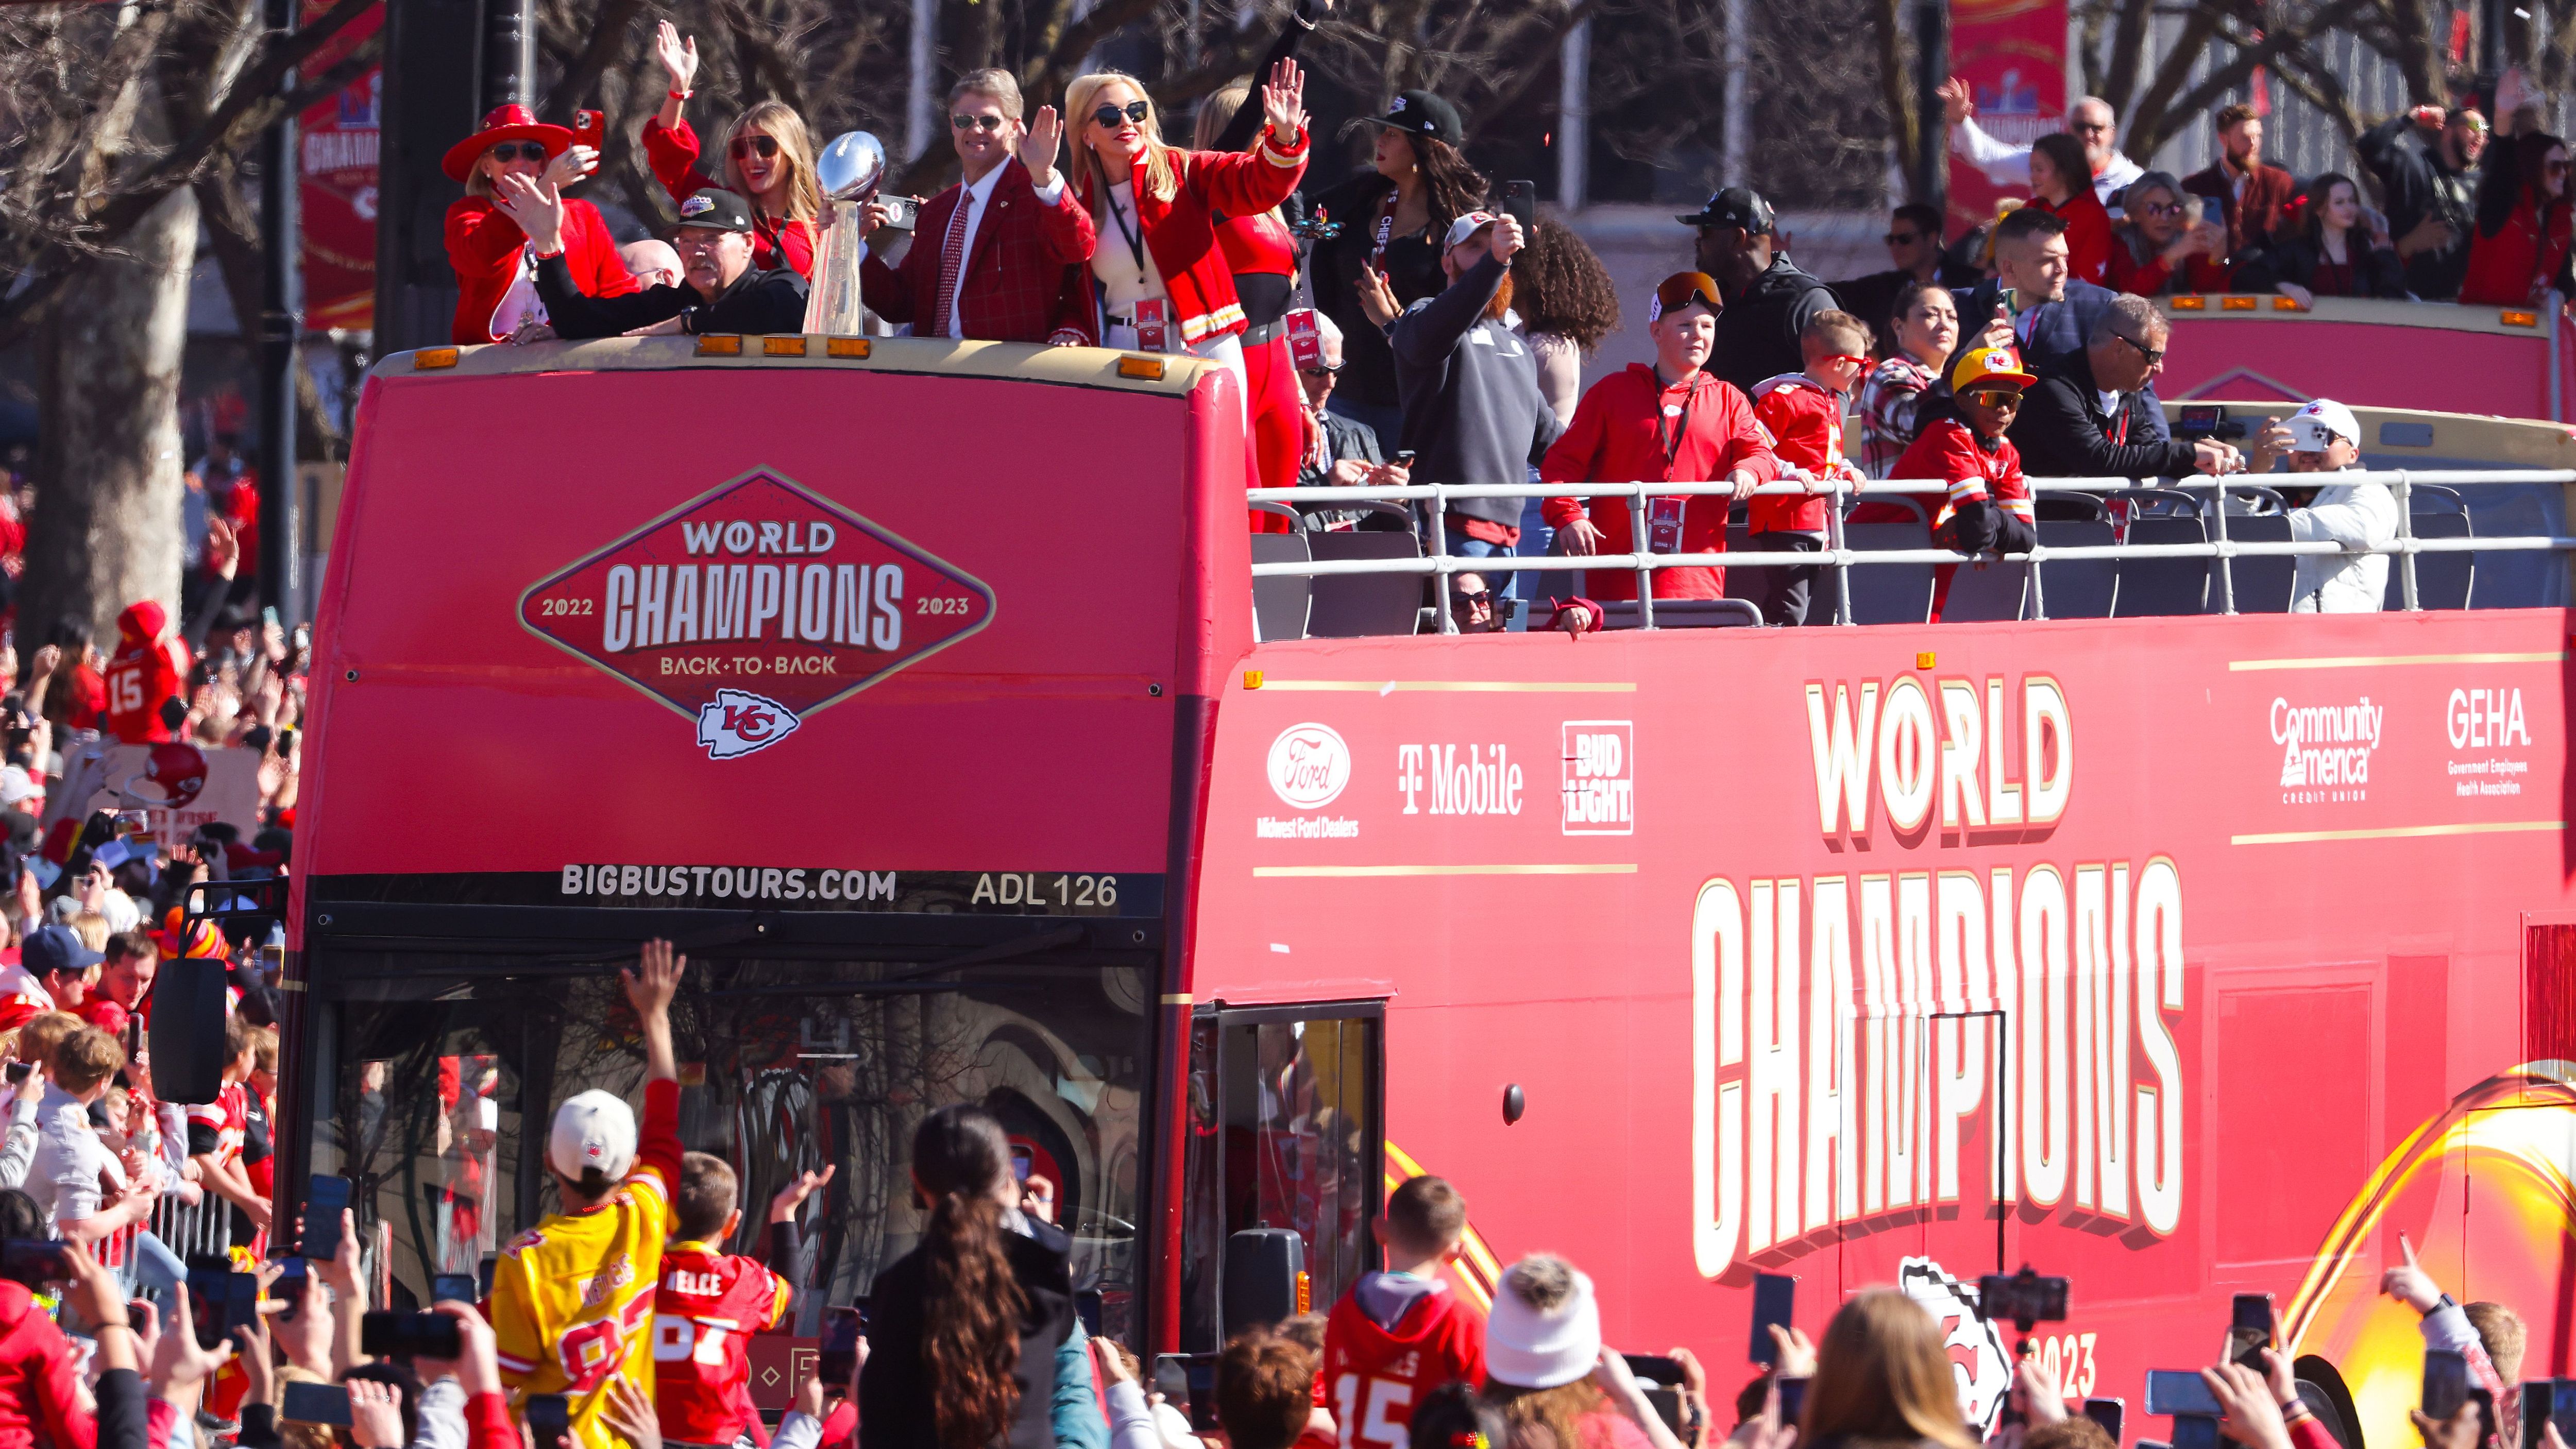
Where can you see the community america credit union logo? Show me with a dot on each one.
(754, 605)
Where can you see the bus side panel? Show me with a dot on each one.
(2169, 946)
(1039, 740)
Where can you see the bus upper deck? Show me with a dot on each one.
(920, 692)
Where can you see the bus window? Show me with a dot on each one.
(1285, 1131)
(785, 1067)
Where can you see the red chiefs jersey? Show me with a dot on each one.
(1374, 1376)
(146, 670)
(1975, 473)
(1805, 424)
(704, 1312)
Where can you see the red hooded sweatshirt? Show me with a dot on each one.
(39, 1379)
(149, 667)
(1374, 1375)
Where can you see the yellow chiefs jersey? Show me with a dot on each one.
(572, 1297)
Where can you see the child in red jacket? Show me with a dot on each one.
(1803, 413)
(1988, 509)
(710, 1302)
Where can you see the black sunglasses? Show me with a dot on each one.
(1317, 372)
(509, 151)
(968, 123)
(2153, 355)
(743, 146)
(1902, 238)
(1108, 116)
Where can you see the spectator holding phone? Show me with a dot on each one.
(2446, 1325)
(1548, 1373)
(768, 161)
(71, 1162)
(40, 1395)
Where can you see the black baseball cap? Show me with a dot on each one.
(717, 208)
(1421, 113)
(50, 949)
(1735, 206)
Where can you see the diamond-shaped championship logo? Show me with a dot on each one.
(751, 607)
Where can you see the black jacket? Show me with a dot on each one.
(1757, 332)
(2376, 271)
(1873, 300)
(2055, 335)
(895, 1392)
(2063, 432)
(2417, 184)
(1472, 409)
(1333, 265)
(759, 303)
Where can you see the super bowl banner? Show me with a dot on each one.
(180, 786)
(337, 162)
(2012, 54)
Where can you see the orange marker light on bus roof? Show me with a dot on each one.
(845, 346)
(2512, 318)
(719, 344)
(429, 358)
(2287, 304)
(782, 346)
(1142, 369)
(1923, 658)
(2190, 304)
(1252, 679)
(2238, 304)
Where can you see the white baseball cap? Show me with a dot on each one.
(16, 786)
(1467, 226)
(2314, 427)
(592, 1129)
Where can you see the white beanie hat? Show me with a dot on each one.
(593, 1129)
(1530, 1349)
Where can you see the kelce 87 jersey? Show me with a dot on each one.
(572, 1297)
(709, 1305)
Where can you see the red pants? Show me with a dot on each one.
(1276, 407)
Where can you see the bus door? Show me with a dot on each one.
(1286, 1129)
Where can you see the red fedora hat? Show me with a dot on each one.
(505, 123)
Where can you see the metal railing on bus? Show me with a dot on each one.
(1838, 556)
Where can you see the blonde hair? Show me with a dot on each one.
(1217, 112)
(91, 927)
(1882, 1373)
(779, 121)
(38, 1036)
(1081, 98)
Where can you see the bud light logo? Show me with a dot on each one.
(1309, 765)
(736, 723)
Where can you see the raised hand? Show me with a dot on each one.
(375, 1414)
(571, 164)
(679, 57)
(537, 206)
(656, 979)
(1958, 103)
(1283, 102)
(2410, 1284)
(782, 1208)
(1038, 146)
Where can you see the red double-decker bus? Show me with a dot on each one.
(912, 687)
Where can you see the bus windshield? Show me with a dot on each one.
(441, 1072)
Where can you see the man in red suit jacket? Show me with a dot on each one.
(990, 255)
(2250, 194)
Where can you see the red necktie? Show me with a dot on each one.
(952, 260)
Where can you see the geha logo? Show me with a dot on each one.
(1309, 765)
(735, 723)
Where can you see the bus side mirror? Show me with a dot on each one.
(187, 1035)
(1262, 1269)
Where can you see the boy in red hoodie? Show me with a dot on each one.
(1400, 1334)
(150, 666)
(1803, 413)
(710, 1302)
(1988, 509)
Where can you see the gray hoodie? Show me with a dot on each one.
(1472, 409)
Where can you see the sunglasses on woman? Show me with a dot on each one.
(508, 152)
(743, 146)
(1107, 116)
(968, 123)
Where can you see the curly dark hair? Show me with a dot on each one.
(1560, 287)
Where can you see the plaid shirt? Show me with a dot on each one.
(1887, 403)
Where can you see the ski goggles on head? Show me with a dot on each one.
(1683, 288)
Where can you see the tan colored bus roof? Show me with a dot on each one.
(2445, 316)
(1063, 366)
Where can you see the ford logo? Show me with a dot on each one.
(1309, 765)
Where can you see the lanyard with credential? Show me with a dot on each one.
(1134, 238)
(1672, 428)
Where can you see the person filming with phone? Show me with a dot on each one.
(722, 292)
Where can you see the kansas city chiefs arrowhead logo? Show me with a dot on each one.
(753, 606)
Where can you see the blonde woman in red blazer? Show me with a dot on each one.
(1152, 204)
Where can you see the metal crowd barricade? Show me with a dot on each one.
(1841, 558)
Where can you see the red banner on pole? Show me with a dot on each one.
(2012, 54)
(336, 162)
